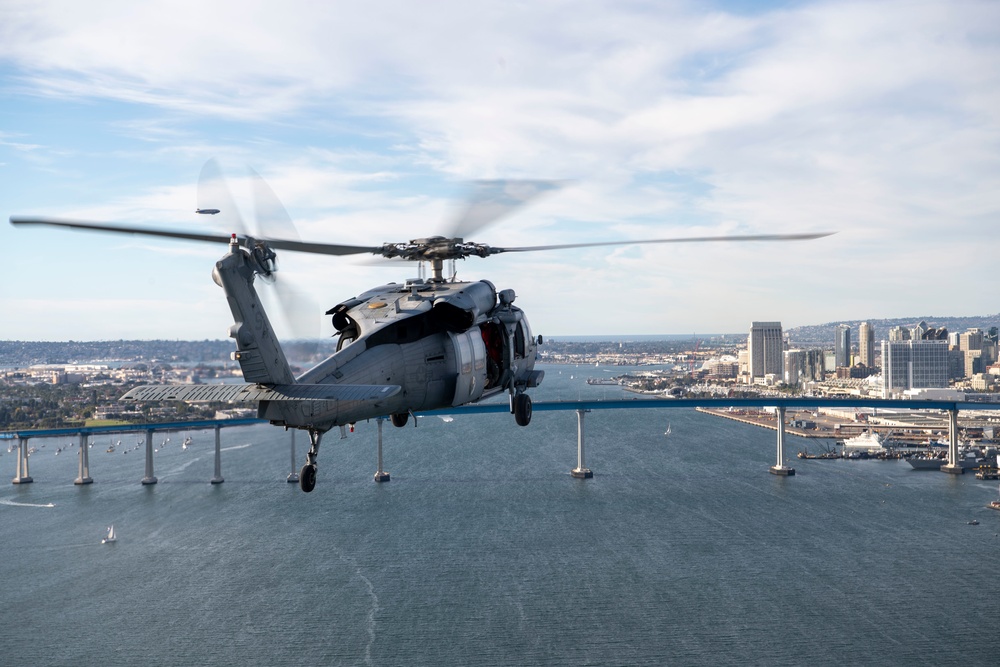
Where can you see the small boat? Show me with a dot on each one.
(667, 432)
(974, 522)
(186, 443)
(111, 535)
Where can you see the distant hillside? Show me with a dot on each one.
(823, 334)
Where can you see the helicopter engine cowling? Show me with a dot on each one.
(459, 311)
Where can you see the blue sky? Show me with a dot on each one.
(878, 121)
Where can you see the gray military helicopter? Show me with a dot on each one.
(403, 348)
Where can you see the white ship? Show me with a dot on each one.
(869, 441)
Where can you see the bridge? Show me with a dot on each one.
(779, 404)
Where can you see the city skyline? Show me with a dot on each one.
(874, 121)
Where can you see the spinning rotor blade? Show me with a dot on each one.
(272, 218)
(492, 200)
(214, 195)
(688, 239)
(101, 227)
(279, 244)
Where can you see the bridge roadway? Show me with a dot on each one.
(780, 404)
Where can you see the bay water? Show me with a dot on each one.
(483, 550)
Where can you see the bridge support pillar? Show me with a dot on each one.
(217, 479)
(953, 465)
(779, 468)
(149, 478)
(22, 476)
(380, 475)
(84, 466)
(293, 476)
(580, 471)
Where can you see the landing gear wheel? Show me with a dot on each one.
(307, 477)
(522, 409)
(399, 419)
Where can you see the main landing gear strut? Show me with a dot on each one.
(307, 476)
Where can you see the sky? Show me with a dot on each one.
(879, 121)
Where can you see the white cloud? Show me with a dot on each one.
(876, 120)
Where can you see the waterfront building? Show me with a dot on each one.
(724, 368)
(765, 350)
(866, 344)
(913, 364)
(842, 346)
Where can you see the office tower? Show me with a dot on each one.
(803, 366)
(842, 346)
(765, 349)
(913, 364)
(866, 344)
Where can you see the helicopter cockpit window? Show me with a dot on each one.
(519, 340)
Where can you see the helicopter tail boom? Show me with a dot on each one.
(257, 349)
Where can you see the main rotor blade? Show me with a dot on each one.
(492, 200)
(278, 244)
(688, 239)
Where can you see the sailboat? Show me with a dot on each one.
(111, 535)
(667, 432)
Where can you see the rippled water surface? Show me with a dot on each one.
(482, 550)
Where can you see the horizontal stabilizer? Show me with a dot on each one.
(225, 393)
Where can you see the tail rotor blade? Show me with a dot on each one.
(273, 220)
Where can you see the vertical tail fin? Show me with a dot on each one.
(260, 355)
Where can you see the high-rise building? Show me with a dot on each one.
(970, 344)
(803, 366)
(899, 333)
(842, 346)
(866, 344)
(765, 349)
(913, 364)
(970, 340)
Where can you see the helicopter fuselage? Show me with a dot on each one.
(441, 344)
(445, 344)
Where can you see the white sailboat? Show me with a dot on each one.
(667, 432)
(111, 535)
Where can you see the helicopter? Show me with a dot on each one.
(402, 348)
